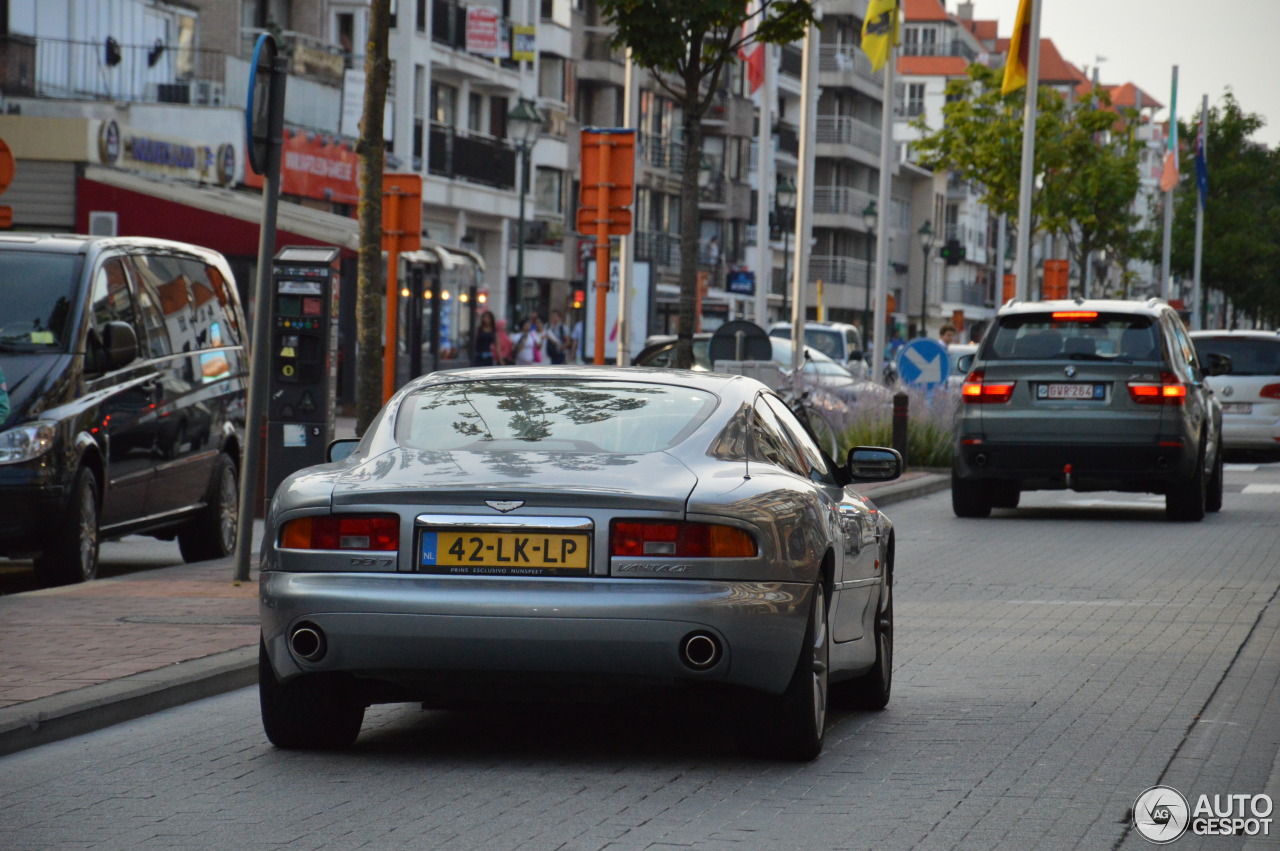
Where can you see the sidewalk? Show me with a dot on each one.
(84, 657)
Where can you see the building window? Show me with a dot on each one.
(548, 191)
(915, 99)
(420, 20)
(551, 77)
(475, 112)
(444, 104)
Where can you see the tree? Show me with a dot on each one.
(1241, 223)
(687, 46)
(370, 285)
(1086, 167)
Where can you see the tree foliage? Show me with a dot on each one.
(1086, 160)
(688, 46)
(1242, 212)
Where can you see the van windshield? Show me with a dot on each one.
(36, 299)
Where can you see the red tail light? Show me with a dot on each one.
(978, 391)
(1271, 391)
(1170, 391)
(379, 532)
(637, 538)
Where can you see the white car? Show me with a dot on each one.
(842, 343)
(1250, 392)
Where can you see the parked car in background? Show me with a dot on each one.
(542, 533)
(127, 375)
(838, 341)
(1249, 391)
(1088, 396)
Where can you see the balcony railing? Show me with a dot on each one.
(834, 269)
(480, 159)
(846, 130)
(965, 293)
(597, 48)
(949, 48)
(847, 58)
(538, 233)
(841, 200)
(660, 249)
(788, 139)
(662, 152)
(792, 61)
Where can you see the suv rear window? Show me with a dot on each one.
(1248, 356)
(1119, 337)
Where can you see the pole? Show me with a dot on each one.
(1198, 303)
(924, 290)
(866, 297)
(886, 213)
(765, 181)
(256, 405)
(786, 265)
(804, 192)
(1166, 247)
(602, 247)
(1022, 267)
(1002, 246)
(390, 330)
(627, 242)
(524, 188)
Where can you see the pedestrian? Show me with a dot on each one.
(529, 345)
(556, 337)
(482, 343)
(895, 345)
(577, 354)
(947, 335)
(503, 348)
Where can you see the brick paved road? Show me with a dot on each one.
(1052, 663)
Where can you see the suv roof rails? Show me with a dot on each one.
(1155, 301)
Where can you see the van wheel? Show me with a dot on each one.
(72, 554)
(212, 533)
(970, 499)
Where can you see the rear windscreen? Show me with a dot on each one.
(1249, 356)
(1074, 335)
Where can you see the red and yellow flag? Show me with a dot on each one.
(1015, 66)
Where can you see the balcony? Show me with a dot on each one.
(846, 63)
(661, 152)
(538, 233)
(449, 27)
(792, 61)
(847, 130)
(835, 269)
(788, 139)
(842, 201)
(660, 249)
(950, 48)
(479, 159)
(958, 292)
(600, 61)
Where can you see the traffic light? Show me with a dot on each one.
(953, 252)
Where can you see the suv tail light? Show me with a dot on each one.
(379, 532)
(1170, 391)
(978, 391)
(1271, 391)
(679, 540)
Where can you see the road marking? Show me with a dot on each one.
(1241, 468)
(1252, 489)
(1077, 602)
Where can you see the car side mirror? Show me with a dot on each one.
(121, 344)
(964, 363)
(1219, 364)
(873, 464)
(341, 449)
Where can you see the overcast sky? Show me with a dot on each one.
(1216, 44)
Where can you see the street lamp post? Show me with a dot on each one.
(784, 201)
(869, 218)
(524, 127)
(926, 243)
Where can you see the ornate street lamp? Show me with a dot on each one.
(926, 243)
(869, 218)
(524, 127)
(784, 210)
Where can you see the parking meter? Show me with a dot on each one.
(303, 359)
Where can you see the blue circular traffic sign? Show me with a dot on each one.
(923, 363)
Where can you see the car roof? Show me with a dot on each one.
(1151, 307)
(714, 382)
(74, 243)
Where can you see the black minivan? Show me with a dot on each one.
(127, 372)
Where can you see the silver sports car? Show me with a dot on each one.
(518, 533)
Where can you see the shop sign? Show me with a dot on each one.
(175, 157)
(482, 32)
(313, 165)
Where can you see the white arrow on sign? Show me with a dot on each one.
(930, 370)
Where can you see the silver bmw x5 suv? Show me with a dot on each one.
(1088, 396)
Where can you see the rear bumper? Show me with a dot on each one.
(419, 632)
(1036, 466)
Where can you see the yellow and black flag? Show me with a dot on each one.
(880, 31)
(1015, 66)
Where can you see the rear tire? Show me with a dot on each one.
(1005, 495)
(1185, 501)
(72, 554)
(1213, 499)
(212, 533)
(970, 499)
(312, 711)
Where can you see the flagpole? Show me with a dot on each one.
(881, 320)
(1026, 184)
(1168, 193)
(1197, 307)
(764, 190)
(804, 194)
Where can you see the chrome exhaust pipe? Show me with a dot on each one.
(700, 651)
(307, 642)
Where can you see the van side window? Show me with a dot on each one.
(111, 300)
(155, 343)
(232, 334)
(162, 278)
(211, 326)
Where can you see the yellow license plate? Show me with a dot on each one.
(473, 553)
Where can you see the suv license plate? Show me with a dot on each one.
(475, 553)
(1072, 391)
